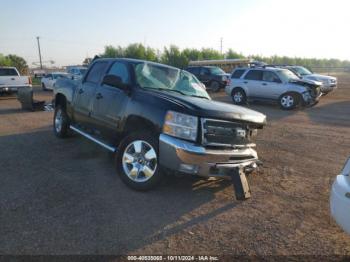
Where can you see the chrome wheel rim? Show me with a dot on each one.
(58, 121)
(287, 101)
(237, 97)
(139, 161)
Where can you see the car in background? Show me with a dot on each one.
(77, 72)
(340, 198)
(329, 83)
(49, 80)
(214, 78)
(11, 80)
(272, 84)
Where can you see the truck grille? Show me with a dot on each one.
(224, 133)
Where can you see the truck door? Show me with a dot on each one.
(109, 102)
(85, 93)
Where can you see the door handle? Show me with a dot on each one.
(99, 96)
(81, 91)
(245, 82)
(264, 84)
(12, 79)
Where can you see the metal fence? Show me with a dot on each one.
(330, 70)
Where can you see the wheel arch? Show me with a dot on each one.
(60, 99)
(136, 123)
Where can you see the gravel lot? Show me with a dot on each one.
(63, 196)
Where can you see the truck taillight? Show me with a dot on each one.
(30, 80)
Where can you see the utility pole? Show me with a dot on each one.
(221, 39)
(41, 64)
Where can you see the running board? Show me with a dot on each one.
(90, 137)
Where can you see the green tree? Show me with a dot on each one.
(231, 54)
(15, 61)
(174, 57)
(211, 54)
(112, 52)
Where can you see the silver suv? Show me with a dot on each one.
(272, 84)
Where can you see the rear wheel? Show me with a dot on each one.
(238, 96)
(138, 161)
(289, 101)
(215, 86)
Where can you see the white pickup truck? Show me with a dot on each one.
(10, 80)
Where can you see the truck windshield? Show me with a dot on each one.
(286, 75)
(302, 70)
(152, 76)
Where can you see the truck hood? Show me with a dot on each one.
(304, 82)
(212, 109)
(318, 77)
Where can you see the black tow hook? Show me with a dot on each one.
(240, 183)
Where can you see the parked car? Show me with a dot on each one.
(329, 83)
(155, 116)
(11, 80)
(272, 84)
(340, 198)
(212, 77)
(77, 72)
(49, 80)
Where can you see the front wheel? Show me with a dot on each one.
(289, 101)
(138, 161)
(61, 122)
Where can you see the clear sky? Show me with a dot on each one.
(70, 30)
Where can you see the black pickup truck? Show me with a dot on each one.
(156, 117)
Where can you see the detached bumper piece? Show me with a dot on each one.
(186, 157)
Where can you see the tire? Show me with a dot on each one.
(137, 161)
(214, 86)
(61, 122)
(43, 86)
(289, 101)
(238, 96)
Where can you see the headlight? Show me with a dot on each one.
(346, 169)
(181, 125)
(224, 78)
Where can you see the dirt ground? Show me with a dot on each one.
(63, 196)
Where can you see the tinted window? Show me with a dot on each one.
(270, 77)
(238, 73)
(121, 70)
(205, 71)
(254, 75)
(8, 72)
(96, 72)
(194, 70)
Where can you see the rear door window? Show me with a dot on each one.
(96, 72)
(8, 72)
(205, 71)
(238, 73)
(256, 75)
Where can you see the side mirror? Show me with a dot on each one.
(276, 80)
(115, 81)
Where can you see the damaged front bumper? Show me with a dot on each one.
(186, 157)
(309, 100)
